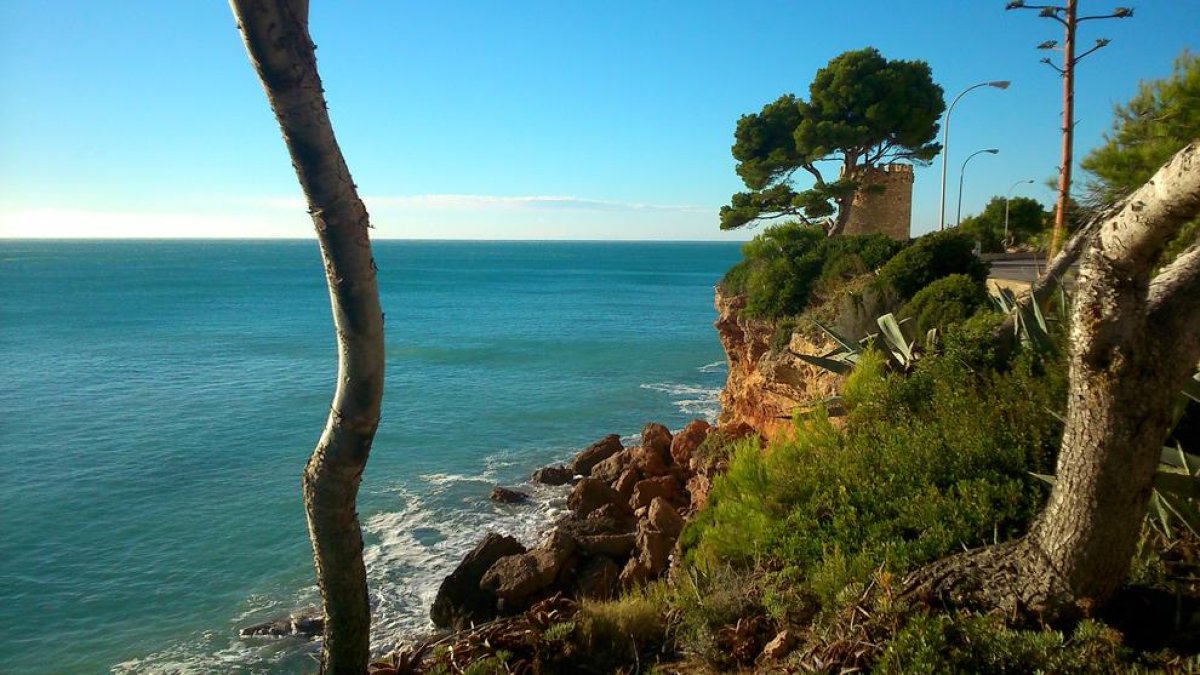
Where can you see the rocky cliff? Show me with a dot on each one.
(764, 389)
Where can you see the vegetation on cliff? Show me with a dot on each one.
(792, 273)
(839, 544)
(790, 266)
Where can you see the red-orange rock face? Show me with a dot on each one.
(763, 389)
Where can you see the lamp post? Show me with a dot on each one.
(961, 173)
(998, 84)
(1006, 198)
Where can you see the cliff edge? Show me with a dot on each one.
(765, 389)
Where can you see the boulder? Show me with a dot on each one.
(612, 545)
(459, 602)
(610, 469)
(664, 486)
(634, 574)
(515, 578)
(598, 522)
(591, 494)
(626, 483)
(684, 444)
(553, 475)
(653, 556)
(654, 550)
(504, 495)
(617, 518)
(597, 578)
(307, 623)
(595, 453)
(651, 462)
(664, 518)
(736, 431)
(656, 437)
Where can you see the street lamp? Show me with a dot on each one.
(1006, 198)
(961, 173)
(998, 84)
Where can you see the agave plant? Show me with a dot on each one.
(1030, 326)
(902, 353)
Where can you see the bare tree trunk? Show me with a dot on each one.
(1068, 131)
(838, 227)
(1133, 344)
(276, 36)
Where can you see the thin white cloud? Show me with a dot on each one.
(94, 224)
(463, 202)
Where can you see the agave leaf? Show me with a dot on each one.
(846, 343)
(832, 365)
(894, 336)
(1037, 314)
(1176, 484)
(833, 353)
(1158, 505)
(1005, 299)
(1185, 510)
(1176, 457)
(1032, 327)
(1191, 388)
(1044, 477)
(931, 339)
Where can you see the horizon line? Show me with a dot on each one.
(373, 239)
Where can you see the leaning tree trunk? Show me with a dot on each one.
(1134, 342)
(276, 36)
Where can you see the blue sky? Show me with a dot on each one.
(507, 120)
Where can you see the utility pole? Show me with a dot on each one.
(1067, 16)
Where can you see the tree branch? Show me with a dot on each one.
(1135, 237)
(1173, 305)
(816, 174)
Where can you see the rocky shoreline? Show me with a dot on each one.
(626, 509)
(626, 506)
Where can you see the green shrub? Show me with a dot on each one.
(851, 255)
(867, 382)
(718, 447)
(927, 464)
(972, 342)
(983, 644)
(944, 302)
(705, 602)
(784, 266)
(617, 631)
(930, 258)
(783, 335)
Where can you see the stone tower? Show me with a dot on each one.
(883, 202)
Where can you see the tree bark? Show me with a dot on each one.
(1133, 344)
(277, 40)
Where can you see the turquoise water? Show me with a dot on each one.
(159, 400)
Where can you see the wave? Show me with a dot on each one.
(714, 367)
(418, 545)
(409, 550)
(690, 399)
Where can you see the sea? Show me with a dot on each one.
(159, 399)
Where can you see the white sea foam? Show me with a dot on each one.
(691, 399)
(714, 367)
(409, 551)
(404, 572)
